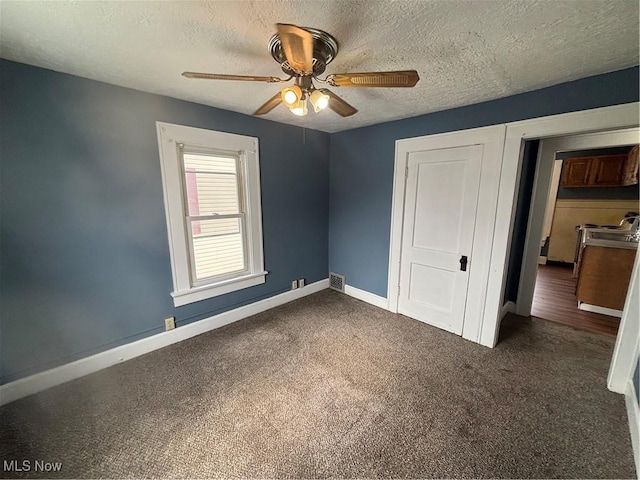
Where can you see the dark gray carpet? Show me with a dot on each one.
(328, 386)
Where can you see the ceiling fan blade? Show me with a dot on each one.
(297, 45)
(216, 76)
(338, 105)
(400, 78)
(269, 105)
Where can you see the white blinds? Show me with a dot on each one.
(214, 214)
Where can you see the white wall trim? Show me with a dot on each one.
(542, 260)
(70, 371)
(599, 119)
(551, 201)
(627, 349)
(633, 414)
(587, 307)
(509, 307)
(246, 151)
(367, 297)
(203, 292)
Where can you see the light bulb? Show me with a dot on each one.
(323, 102)
(291, 95)
(319, 100)
(300, 108)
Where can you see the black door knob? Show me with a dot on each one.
(463, 263)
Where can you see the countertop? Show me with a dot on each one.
(611, 244)
(590, 233)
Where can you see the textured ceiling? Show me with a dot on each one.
(465, 51)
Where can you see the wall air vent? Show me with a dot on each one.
(336, 282)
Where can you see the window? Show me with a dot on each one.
(212, 200)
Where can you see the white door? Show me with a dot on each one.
(441, 198)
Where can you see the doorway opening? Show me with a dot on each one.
(572, 248)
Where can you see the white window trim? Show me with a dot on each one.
(169, 135)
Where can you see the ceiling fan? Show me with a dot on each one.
(303, 54)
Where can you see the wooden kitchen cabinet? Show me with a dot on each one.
(601, 171)
(604, 276)
(576, 171)
(607, 171)
(630, 173)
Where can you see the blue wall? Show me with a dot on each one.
(84, 250)
(361, 172)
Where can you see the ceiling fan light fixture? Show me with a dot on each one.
(319, 100)
(303, 53)
(300, 108)
(291, 96)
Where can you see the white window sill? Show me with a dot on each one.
(196, 294)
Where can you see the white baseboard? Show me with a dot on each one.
(542, 260)
(509, 307)
(633, 413)
(587, 307)
(368, 297)
(70, 371)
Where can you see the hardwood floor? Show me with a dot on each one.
(555, 300)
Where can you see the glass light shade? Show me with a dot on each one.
(300, 108)
(291, 95)
(319, 100)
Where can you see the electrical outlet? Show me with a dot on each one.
(294, 284)
(170, 323)
(301, 283)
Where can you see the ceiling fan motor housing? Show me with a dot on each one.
(325, 49)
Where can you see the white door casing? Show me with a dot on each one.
(595, 120)
(491, 140)
(551, 201)
(441, 199)
(502, 161)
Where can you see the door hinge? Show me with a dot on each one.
(406, 171)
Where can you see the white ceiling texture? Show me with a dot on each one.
(464, 51)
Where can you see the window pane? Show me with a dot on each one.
(217, 247)
(210, 163)
(212, 184)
